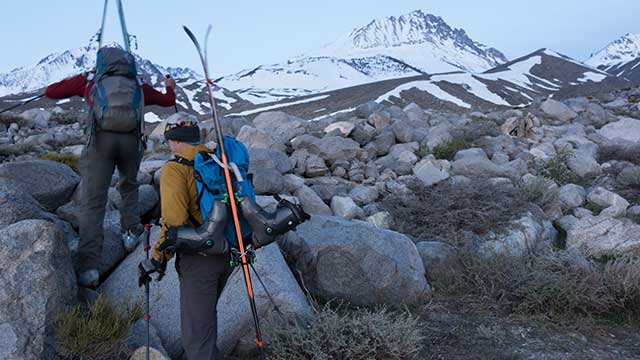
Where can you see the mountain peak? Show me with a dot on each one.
(623, 50)
(425, 33)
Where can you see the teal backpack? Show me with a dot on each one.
(211, 184)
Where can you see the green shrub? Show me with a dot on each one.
(70, 160)
(445, 212)
(347, 334)
(555, 284)
(556, 168)
(449, 149)
(99, 332)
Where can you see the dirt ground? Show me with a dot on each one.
(461, 329)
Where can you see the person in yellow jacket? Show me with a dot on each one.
(202, 277)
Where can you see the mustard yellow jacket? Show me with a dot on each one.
(179, 197)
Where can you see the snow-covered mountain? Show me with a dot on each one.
(517, 83)
(620, 58)
(190, 89)
(409, 45)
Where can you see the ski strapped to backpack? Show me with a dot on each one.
(123, 25)
(232, 195)
(116, 97)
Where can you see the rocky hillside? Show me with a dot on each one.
(397, 196)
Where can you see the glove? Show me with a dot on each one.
(170, 240)
(148, 267)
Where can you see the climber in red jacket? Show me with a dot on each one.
(116, 124)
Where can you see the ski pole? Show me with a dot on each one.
(147, 315)
(230, 191)
(22, 104)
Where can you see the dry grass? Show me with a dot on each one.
(624, 152)
(540, 191)
(342, 333)
(444, 212)
(554, 284)
(97, 333)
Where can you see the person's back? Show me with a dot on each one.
(115, 124)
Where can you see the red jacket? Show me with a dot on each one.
(79, 86)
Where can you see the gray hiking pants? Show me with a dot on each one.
(106, 152)
(202, 279)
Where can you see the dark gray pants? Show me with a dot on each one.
(106, 152)
(202, 279)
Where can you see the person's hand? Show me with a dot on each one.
(148, 267)
(169, 82)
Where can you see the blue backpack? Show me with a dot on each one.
(211, 184)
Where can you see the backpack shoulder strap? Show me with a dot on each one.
(183, 161)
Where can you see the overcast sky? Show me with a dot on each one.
(250, 32)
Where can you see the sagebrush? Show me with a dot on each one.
(342, 333)
(557, 169)
(99, 332)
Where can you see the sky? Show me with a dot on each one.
(247, 33)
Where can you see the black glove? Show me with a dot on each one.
(148, 267)
(170, 240)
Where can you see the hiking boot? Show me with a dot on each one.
(131, 238)
(89, 278)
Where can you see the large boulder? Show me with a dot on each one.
(602, 236)
(584, 165)
(311, 202)
(431, 171)
(474, 162)
(557, 110)
(37, 118)
(357, 262)
(235, 321)
(38, 285)
(364, 195)
(519, 237)
(284, 126)
(268, 181)
(49, 182)
(334, 148)
(255, 138)
(626, 129)
(572, 196)
(614, 205)
(345, 207)
(17, 204)
(269, 159)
